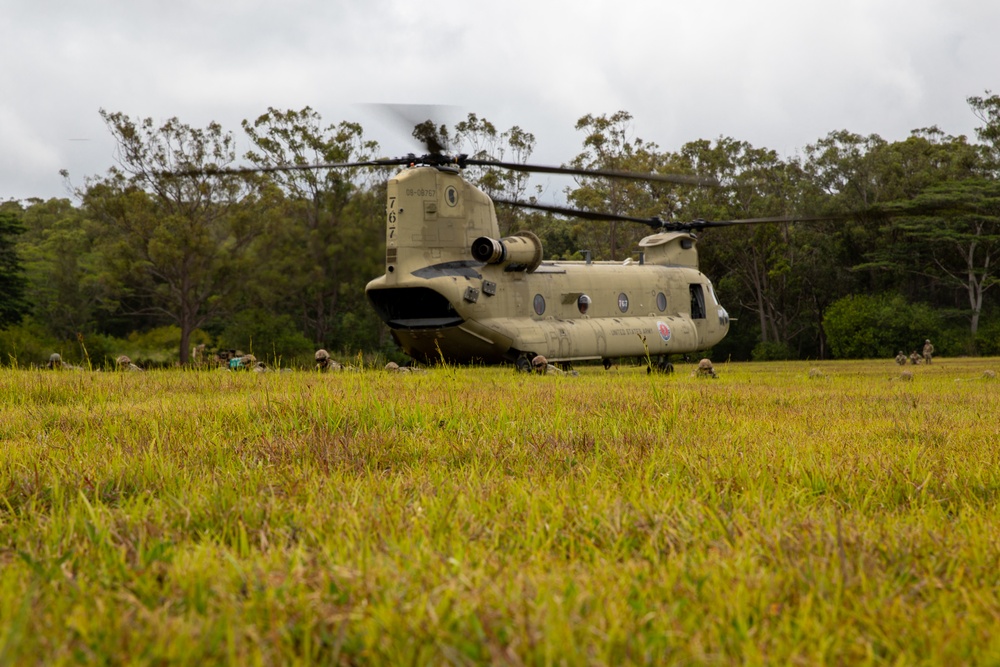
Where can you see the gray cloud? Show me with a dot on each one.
(778, 73)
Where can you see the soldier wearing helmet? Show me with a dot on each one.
(705, 369)
(393, 367)
(125, 364)
(56, 363)
(541, 365)
(324, 362)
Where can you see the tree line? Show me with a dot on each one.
(277, 261)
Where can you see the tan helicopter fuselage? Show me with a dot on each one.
(455, 291)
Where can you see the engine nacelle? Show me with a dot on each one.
(520, 252)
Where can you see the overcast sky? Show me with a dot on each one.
(779, 74)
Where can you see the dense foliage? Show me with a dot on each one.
(861, 325)
(12, 282)
(278, 261)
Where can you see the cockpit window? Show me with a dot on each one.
(711, 293)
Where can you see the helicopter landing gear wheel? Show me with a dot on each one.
(522, 364)
(607, 364)
(662, 366)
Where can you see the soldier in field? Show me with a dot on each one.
(198, 354)
(541, 365)
(928, 351)
(56, 363)
(325, 363)
(125, 364)
(705, 369)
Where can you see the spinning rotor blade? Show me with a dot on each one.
(416, 119)
(610, 173)
(654, 222)
(704, 224)
(659, 223)
(407, 160)
(439, 159)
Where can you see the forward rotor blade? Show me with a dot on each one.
(611, 173)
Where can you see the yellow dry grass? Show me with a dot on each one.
(804, 513)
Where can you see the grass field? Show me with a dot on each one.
(470, 516)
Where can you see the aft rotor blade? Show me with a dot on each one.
(659, 223)
(703, 224)
(579, 213)
(610, 173)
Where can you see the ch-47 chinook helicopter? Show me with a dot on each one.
(454, 290)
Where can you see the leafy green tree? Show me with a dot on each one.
(867, 252)
(847, 165)
(862, 326)
(314, 264)
(609, 144)
(844, 167)
(13, 285)
(63, 269)
(957, 224)
(275, 338)
(177, 245)
(987, 109)
(760, 263)
(479, 138)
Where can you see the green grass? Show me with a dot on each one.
(469, 516)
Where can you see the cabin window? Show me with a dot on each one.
(539, 304)
(583, 304)
(623, 302)
(661, 301)
(697, 302)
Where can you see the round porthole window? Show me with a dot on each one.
(623, 302)
(539, 304)
(661, 301)
(583, 303)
